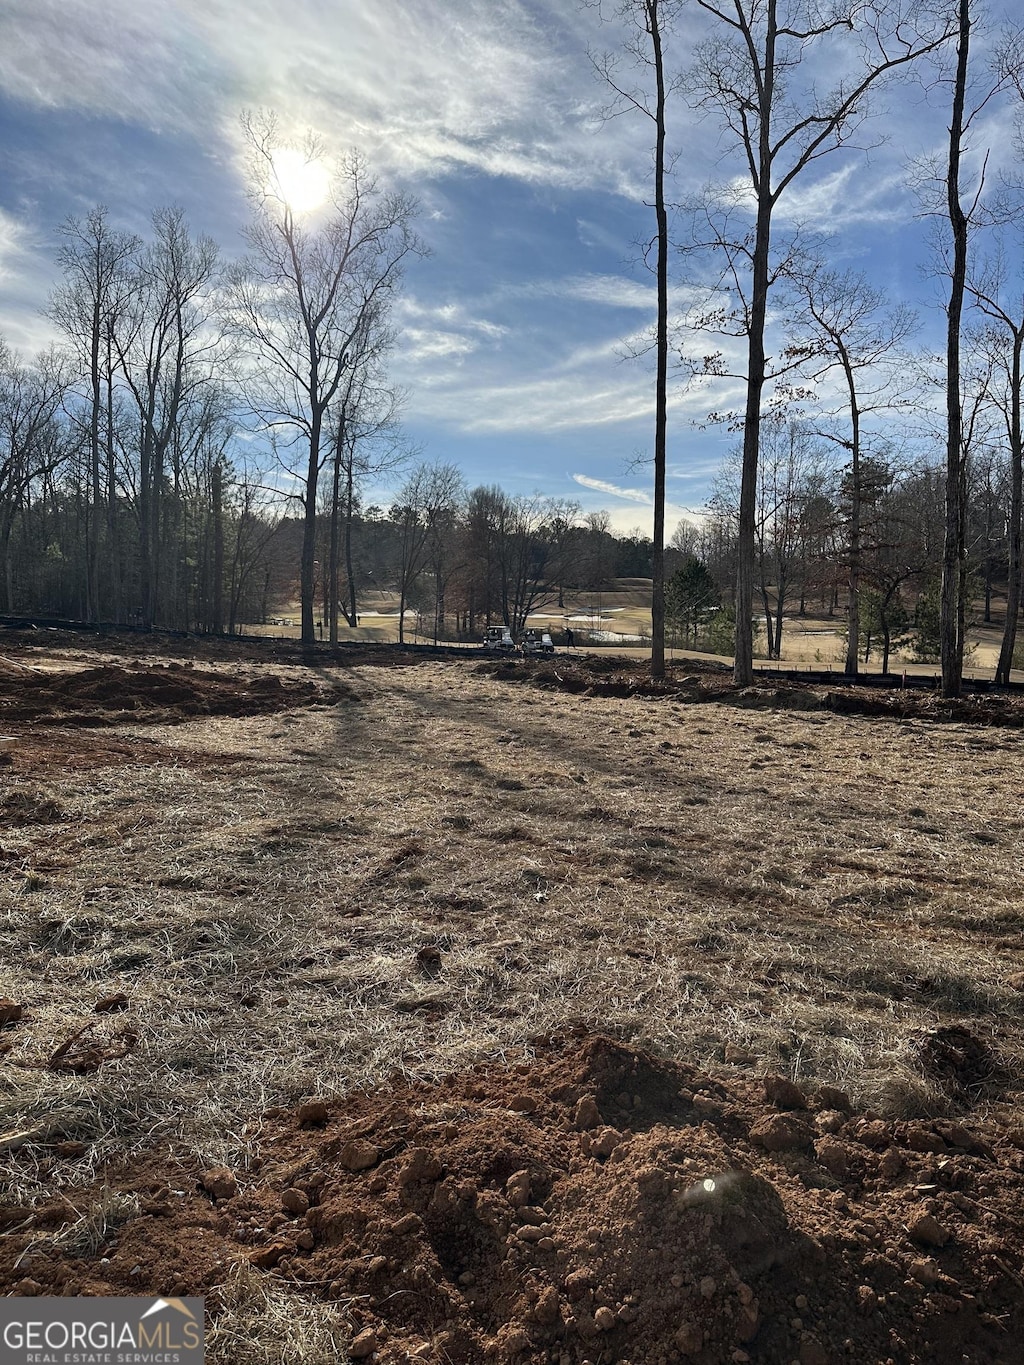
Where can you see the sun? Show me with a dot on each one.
(302, 184)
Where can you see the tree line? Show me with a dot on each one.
(788, 86)
(125, 497)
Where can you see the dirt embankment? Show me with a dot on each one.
(595, 1205)
(591, 675)
(148, 688)
(108, 694)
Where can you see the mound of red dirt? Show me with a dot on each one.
(162, 693)
(597, 1205)
(593, 676)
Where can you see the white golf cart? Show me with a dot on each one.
(499, 639)
(537, 642)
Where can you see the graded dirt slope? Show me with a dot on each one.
(435, 1015)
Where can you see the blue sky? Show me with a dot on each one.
(513, 329)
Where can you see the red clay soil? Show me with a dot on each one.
(596, 1205)
(154, 694)
(697, 681)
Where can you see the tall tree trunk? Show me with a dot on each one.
(853, 603)
(743, 667)
(779, 602)
(113, 519)
(217, 586)
(8, 564)
(405, 577)
(352, 608)
(661, 385)
(988, 554)
(307, 565)
(1013, 588)
(155, 537)
(146, 525)
(92, 551)
(952, 604)
(768, 624)
(333, 554)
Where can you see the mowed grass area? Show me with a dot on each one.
(618, 620)
(448, 865)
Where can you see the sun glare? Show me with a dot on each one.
(303, 185)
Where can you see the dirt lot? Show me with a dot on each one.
(468, 1012)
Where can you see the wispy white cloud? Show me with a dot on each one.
(443, 333)
(533, 404)
(24, 280)
(412, 310)
(423, 344)
(497, 86)
(608, 291)
(12, 235)
(848, 196)
(596, 234)
(136, 62)
(632, 509)
(528, 377)
(613, 490)
(845, 197)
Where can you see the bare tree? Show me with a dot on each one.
(747, 72)
(955, 553)
(306, 301)
(789, 474)
(165, 352)
(97, 263)
(445, 549)
(686, 538)
(955, 192)
(252, 519)
(905, 545)
(366, 442)
(32, 444)
(422, 511)
(647, 23)
(531, 549)
(786, 474)
(987, 290)
(1003, 339)
(995, 287)
(843, 324)
(597, 550)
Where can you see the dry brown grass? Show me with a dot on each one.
(448, 866)
(261, 1323)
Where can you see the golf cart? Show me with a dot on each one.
(499, 638)
(537, 642)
